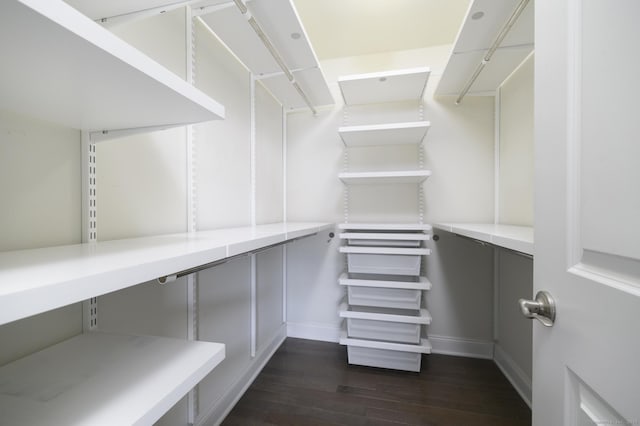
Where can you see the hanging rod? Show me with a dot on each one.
(496, 43)
(273, 51)
(170, 278)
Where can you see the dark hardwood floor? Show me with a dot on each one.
(310, 383)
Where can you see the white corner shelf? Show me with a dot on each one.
(62, 67)
(387, 86)
(385, 250)
(518, 238)
(374, 178)
(475, 38)
(278, 19)
(37, 280)
(384, 281)
(359, 226)
(391, 236)
(104, 379)
(408, 133)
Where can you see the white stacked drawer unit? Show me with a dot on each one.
(383, 310)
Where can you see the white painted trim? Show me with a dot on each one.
(217, 412)
(496, 155)
(284, 284)
(311, 331)
(496, 292)
(254, 306)
(253, 151)
(471, 348)
(284, 165)
(512, 371)
(192, 219)
(574, 125)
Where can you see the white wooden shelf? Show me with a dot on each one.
(279, 20)
(424, 346)
(384, 281)
(385, 250)
(103, 379)
(474, 39)
(386, 227)
(61, 67)
(38, 280)
(384, 314)
(369, 178)
(518, 238)
(387, 86)
(409, 133)
(405, 236)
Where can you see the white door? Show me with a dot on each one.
(586, 368)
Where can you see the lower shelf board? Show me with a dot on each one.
(104, 379)
(400, 227)
(385, 314)
(384, 281)
(424, 347)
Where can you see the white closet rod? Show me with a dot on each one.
(273, 51)
(487, 57)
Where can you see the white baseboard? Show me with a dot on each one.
(311, 331)
(512, 371)
(441, 344)
(461, 347)
(216, 414)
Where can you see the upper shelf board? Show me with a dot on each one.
(387, 86)
(38, 280)
(384, 134)
(386, 226)
(475, 38)
(406, 236)
(104, 379)
(518, 238)
(280, 21)
(366, 178)
(61, 67)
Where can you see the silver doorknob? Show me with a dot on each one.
(543, 308)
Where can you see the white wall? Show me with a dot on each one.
(223, 156)
(515, 192)
(269, 158)
(516, 147)
(514, 331)
(459, 151)
(41, 204)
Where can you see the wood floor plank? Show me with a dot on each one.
(310, 383)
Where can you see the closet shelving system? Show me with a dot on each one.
(64, 68)
(383, 312)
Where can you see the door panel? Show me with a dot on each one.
(586, 368)
(606, 97)
(586, 408)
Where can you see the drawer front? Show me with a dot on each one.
(385, 297)
(383, 330)
(388, 264)
(383, 358)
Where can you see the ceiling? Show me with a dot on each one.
(339, 28)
